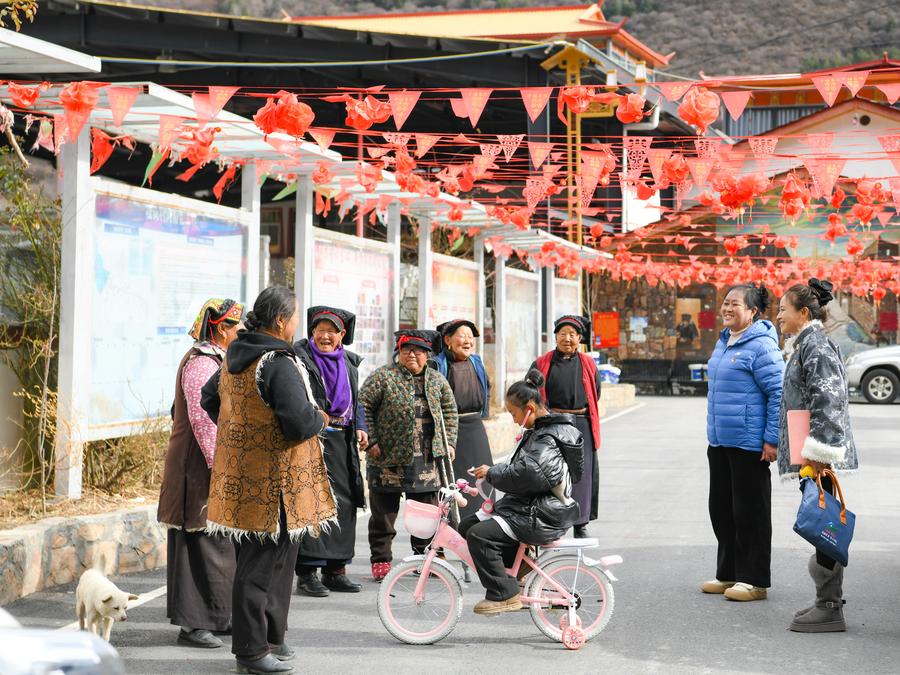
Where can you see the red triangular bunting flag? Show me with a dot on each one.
(203, 108)
(402, 104)
(891, 91)
(700, 168)
(168, 129)
(656, 157)
(475, 100)
(60, 133)
(120, 101)
(820, 140)
(535, 100)
(828, 87)
(854, 81)
(323, 137)
(673, 90)
(75, 121)
(218, 97)
(460, 107)
(424, 143)
(538, 153)
(826, 171)
(510, 144)
(735, 102)
(894, 182)
(884, 217)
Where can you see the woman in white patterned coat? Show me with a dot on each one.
(815, 380)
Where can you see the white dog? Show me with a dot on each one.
(99, 602)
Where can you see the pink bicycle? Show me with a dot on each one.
(569, 595)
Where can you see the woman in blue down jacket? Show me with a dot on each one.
(745, 377)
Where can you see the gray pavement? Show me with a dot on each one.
(653, 512)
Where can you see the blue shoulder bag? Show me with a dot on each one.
(823, 520)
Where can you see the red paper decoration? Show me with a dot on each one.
(23, 97)
(700, 108)
(284, 113)
(78, 99)
(535, 100)
(630, 109)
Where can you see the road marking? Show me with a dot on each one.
(623, 412)
(143, 598)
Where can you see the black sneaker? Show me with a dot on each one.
(580, 532)
(309, 584)
(340, 583)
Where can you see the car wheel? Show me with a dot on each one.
(880, 386)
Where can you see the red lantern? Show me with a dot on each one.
(700, 107)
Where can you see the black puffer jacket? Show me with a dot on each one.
(547, 452)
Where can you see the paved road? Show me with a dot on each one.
(653, 506)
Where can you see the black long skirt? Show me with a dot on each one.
(586, 491)
(336, 545)
(199, 577)
(472, 449)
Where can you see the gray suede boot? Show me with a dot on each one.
(827, 615)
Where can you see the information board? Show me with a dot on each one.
(157, 258)
(355, 274)
(520, 313)
(454, 291)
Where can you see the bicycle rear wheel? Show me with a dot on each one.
(593, 594)
(425, 622)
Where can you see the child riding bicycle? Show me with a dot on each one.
(537, 507)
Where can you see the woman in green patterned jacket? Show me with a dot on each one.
(412, 419)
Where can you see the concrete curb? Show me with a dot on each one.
(57, 550)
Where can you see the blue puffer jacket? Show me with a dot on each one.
(745, 389)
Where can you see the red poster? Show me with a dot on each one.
(706, 320)
(887, 322)
(606, 329)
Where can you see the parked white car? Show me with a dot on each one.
(875, 373)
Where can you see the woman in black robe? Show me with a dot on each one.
(573, 386)
(334, 378)
(464, 369)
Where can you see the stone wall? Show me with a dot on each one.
(57, 550)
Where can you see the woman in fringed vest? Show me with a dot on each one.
(200, 566)
(269, 485)
(335, 383)
(572, 386)
(815, 380)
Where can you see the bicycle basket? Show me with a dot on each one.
(421, 520)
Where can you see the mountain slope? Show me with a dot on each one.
(720, 38)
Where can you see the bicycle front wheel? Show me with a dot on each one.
(425, 621)
(593, 593)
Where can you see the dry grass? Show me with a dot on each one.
(24, 506)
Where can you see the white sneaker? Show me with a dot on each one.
(716, 586)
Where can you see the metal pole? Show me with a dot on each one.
(393, 238)
(426, 275)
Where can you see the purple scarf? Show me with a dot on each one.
(337, 384)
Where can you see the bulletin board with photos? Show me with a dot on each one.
(355, 274)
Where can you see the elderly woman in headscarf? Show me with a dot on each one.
(200, 566)
(334, 378)
(572, 385)
(411, 414)
(464, 369)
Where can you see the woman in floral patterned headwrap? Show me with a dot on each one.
(200, 566)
